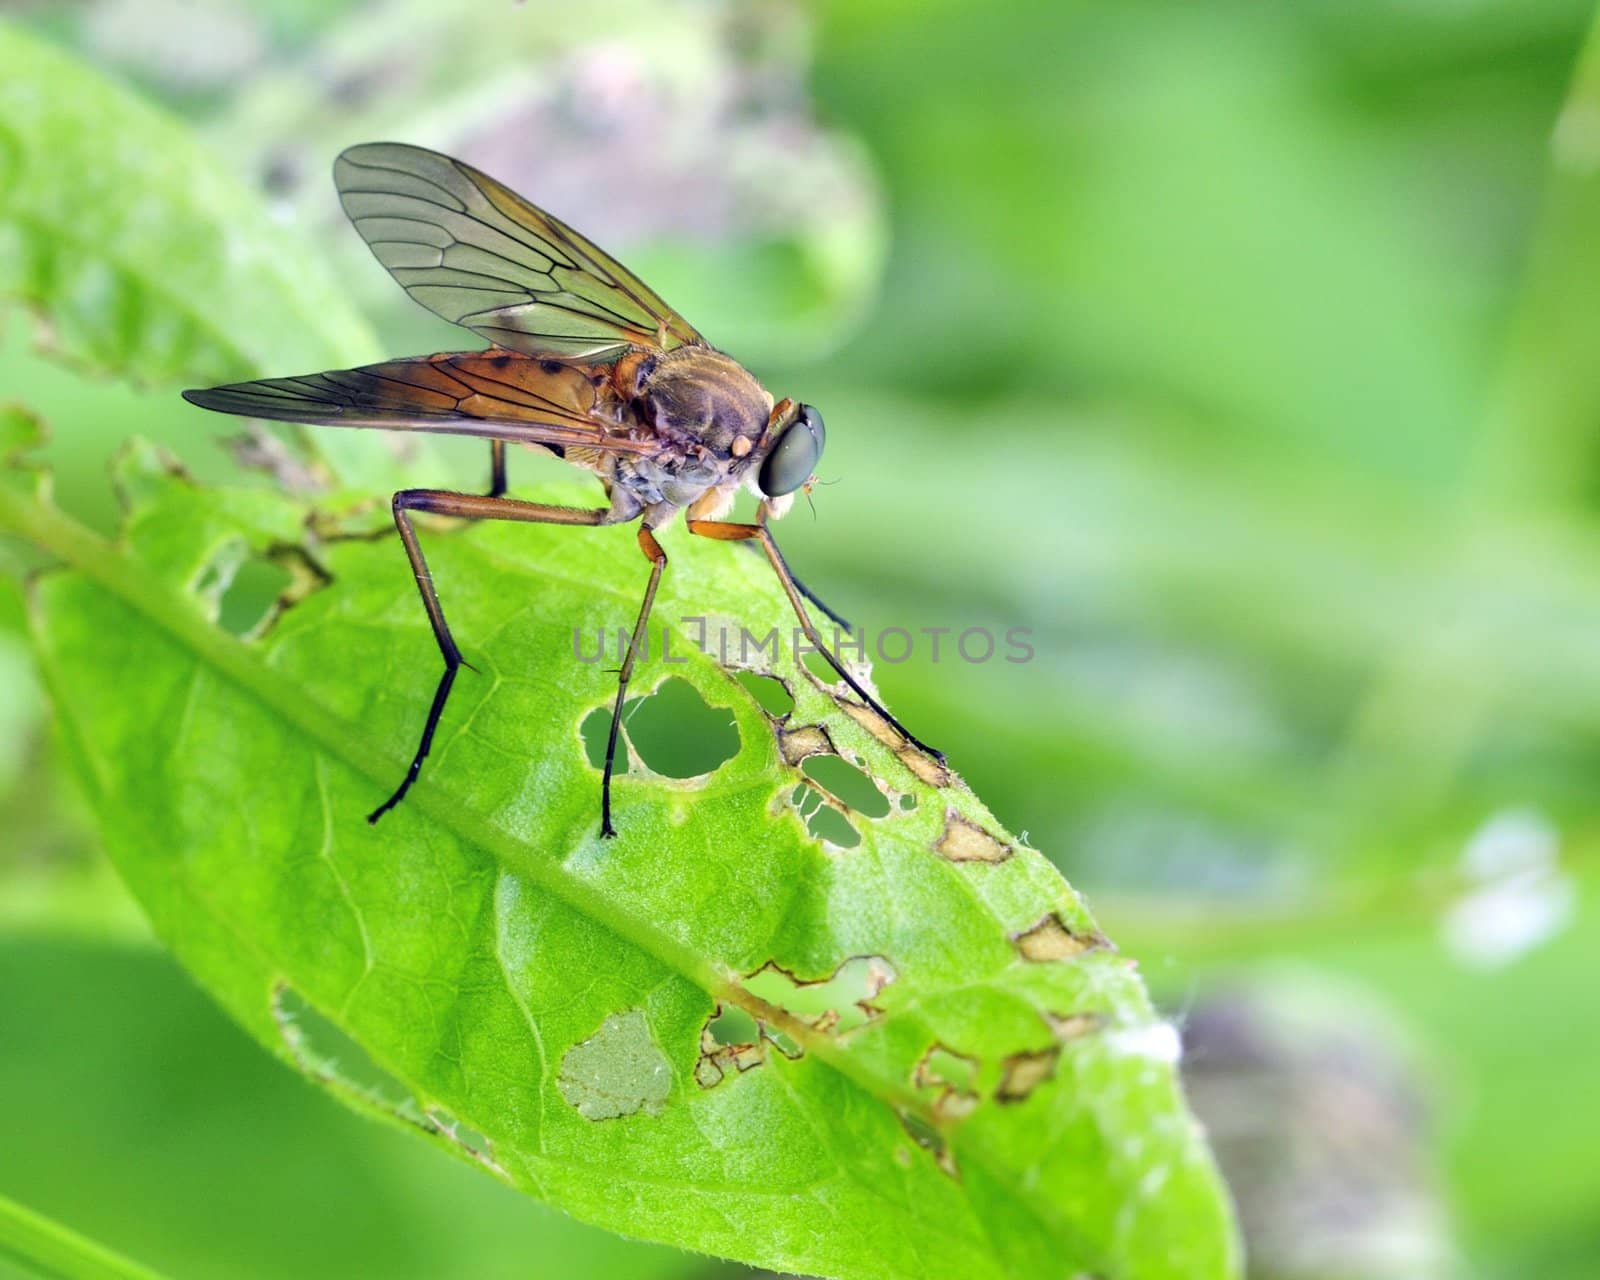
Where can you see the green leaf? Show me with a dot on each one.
(141, 255)
(981, 1090)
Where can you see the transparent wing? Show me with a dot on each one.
(478, 254)
(493, 394)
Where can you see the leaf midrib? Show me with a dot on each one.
(115, 571)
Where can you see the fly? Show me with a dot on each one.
(585, 362)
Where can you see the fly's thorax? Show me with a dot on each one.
(697, 396)
(708, 414)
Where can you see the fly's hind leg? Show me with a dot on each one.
(466, 506)
(730, 531)
(497, 469)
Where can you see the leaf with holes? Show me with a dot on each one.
(904, 1051)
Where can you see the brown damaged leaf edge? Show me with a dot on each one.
(923, 767)
(965, 841)
(879, 974)
(1074, 1026)
(1022, 1073)
(717, 1061)
(951, 1101)
(800, 744)
(1053, 939)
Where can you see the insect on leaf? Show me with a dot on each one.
(915, 1057)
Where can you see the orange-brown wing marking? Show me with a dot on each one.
(500, 396)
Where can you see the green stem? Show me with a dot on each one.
(50, 1249)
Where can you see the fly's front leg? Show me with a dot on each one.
(834, 615)
(658, 562)
(469, 507)
(730, 531)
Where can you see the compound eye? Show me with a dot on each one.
(794, 457)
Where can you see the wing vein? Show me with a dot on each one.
(559, 294)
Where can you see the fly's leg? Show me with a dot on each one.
(729, 531)
(810, 596)
(497, 468)
(833, 614)
(466, 506)
(658, 562)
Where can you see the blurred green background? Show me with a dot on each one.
(1247, 354)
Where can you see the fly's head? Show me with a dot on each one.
(785, 461)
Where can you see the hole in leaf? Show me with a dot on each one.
(673, 730)
(475, 1144)
(908, 801)
(953, 1077)
(730, 1041)
(251, 598)
(841, 1002)
(733, 1026)
(678, 734)
(946, 1069)
(819, 666)
(847, 784)
(769, 691)
(733, 1040)
(596, 725)
(213, 580)
(324, 1052)
(829, 824)
(822, 820)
